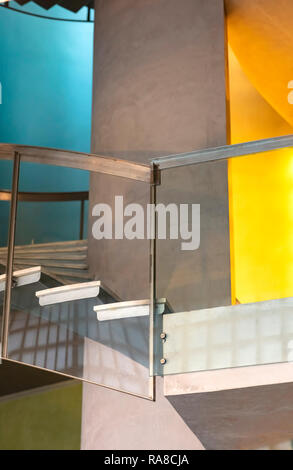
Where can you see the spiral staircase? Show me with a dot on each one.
(72, 5)
(64, 261)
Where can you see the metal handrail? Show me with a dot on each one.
(80, 161)
(212, 154)
(77, 160)
(82, 196)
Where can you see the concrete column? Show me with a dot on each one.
(159, 77)
(159, 89)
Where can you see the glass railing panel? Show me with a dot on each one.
(226, 337)
(193, 271)
(228, 253)
(67, 331)
(68, 338)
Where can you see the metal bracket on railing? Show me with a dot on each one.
(156, 175)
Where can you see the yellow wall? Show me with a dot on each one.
(262, 206)
(261, 198)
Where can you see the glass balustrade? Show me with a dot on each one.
(128, 271)
(225, 264)
(73, 282)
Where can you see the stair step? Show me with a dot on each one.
(53, 264)
(77, 249)
(72, 273)
(53, 245)
(66, 280)
(57, 295)
(66, 262)
(22, 277)
(71, 5)
(51, 256)
(130, 309)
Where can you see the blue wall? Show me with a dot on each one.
(46, 78)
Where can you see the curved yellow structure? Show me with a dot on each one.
(261, 35)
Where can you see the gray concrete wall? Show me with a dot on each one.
(243, 419)
(159, 77)
(159, 88)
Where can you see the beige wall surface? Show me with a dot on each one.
(113, 420)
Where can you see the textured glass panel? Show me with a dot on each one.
(225, 337)
(68, 338)
(65, 335)
(218, 291)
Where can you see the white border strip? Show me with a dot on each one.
(228, 379)
(22, 277)
(121, 310)
(57, 295)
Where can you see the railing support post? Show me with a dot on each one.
(10, 255)
(81, 219)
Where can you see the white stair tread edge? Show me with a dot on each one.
(57, 295)
(23, 277)
(121, 310)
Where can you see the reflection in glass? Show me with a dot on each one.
(67, 337)
(232, 297)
